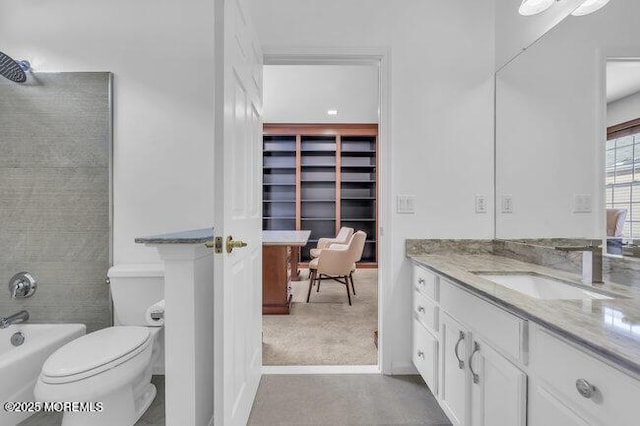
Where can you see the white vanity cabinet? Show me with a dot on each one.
(454, 377)
(498, 388)
(572, 387)
(478, 382)
(425, 327)
(488, 367)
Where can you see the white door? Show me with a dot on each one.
(238, 198)
(453, 381)
(498, 389)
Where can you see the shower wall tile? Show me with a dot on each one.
(50, 151)
(54, 195)
(13, 245)
(47, 246)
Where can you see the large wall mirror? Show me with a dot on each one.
(557, 174)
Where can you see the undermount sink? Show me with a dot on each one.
(543, 287)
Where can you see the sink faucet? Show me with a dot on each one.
(591, 262)
(21, 316)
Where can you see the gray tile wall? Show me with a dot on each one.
(54, 195)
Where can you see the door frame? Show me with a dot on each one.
(381, 57)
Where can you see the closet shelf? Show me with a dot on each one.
(336, 181)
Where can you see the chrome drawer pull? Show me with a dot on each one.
(455, 350)
(585, 388)
(420, 309)
(420, 354)
(476, 349)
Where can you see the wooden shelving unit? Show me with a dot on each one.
(321, 177)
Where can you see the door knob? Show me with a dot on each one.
(231, 244)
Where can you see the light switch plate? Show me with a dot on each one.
(582, 203)
(406, 204)
(481, 204)
(507, 204)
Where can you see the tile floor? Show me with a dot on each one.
(345, 400)
(364, 399)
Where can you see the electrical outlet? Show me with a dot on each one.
(582, 203)
(481, 204)
(406, 204)
(507, 204)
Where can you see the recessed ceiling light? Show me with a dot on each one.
(533, 7)
(332, 112)
(589, 6)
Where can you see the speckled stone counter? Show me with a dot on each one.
(611, 328)
(195, 236)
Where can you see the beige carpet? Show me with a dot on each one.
(326, 331)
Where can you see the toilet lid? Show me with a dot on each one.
(94, 350)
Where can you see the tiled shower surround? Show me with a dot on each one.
(55, 141)
(621, 270)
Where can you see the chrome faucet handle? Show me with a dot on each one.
(22, 285)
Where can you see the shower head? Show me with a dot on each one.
(13, 70)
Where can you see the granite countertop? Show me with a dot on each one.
(285, 238)
(196, 236)
(611, 328)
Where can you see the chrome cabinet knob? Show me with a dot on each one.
(585, 388)
(420, 354)
(421, 281)
(421, 309)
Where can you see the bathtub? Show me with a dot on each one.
(21, 365)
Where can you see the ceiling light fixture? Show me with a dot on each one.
(589, 6)
(332, 112)
(533, 7)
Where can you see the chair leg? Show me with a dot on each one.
(318, 287)
(312, 277)
(346, 282)
(353, 286)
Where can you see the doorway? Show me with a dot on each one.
(326, 96)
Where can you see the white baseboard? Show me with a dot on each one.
(320, 369)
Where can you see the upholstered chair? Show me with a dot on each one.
(336, 263)
(343, 237)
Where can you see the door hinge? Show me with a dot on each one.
(216, 244)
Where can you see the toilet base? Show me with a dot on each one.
(119, 409)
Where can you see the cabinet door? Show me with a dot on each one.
(547, 410)
(453, 382)
(425, 355)
(498, 389)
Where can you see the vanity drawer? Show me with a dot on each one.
(505, 331)
(425, 355)
(425, 311)
(425, 282)
(560, 365)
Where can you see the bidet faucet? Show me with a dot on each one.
(591, 262)
(21, 316)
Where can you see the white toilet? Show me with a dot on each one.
(114, 365)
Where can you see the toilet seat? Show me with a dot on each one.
(95, 353)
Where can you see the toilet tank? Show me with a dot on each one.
(135, 287)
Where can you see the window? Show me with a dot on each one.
(622, 174)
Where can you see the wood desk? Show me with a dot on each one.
(280, 255)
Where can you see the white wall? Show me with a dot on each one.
(515, 32)
(161, 53)
(441, 115)
(623, 110)
(550, 128)
(304, 93)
